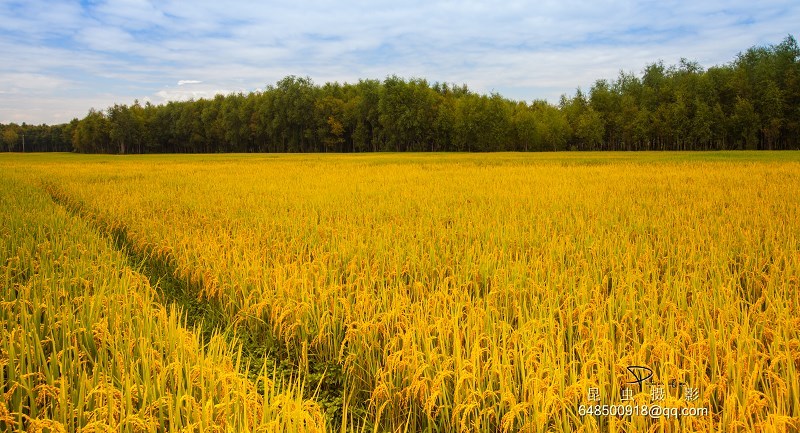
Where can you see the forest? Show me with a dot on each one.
(753, 102)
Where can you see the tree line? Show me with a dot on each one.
(36, 138)
(752, 102)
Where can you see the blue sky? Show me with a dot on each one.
(60, 58)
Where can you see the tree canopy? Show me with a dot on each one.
(752, 102)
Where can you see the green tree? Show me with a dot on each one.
(589, 129)
(293, 121)
(330, 112)
(11, 137)
(92, 134)
(553, 131)
(406, 114)
(524, 123)
(746, 124)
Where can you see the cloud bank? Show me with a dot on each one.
(63, 57)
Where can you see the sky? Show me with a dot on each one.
(58, 58)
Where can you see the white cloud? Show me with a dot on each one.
(185, 82)
(185, 93)
(105, 38)
(29, 83)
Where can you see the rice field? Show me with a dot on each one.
(401, 292)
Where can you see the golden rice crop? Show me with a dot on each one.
(484, 292)
(85, 347)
